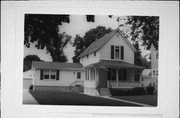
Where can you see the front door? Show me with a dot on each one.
(102, 78)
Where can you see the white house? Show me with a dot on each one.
(109, 63)
(57, 76)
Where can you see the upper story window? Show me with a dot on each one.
(117, 52)
(87, 55)
(122, 52)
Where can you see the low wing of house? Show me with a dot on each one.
(51, 75)
(112, 46)
(28, 74)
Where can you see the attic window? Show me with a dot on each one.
(94, 53)
(117, 52)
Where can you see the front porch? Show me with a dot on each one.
(111, 74)
(123, 84)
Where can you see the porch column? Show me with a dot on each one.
(89, 74)
(117, 80)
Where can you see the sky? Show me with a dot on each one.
(77, 25)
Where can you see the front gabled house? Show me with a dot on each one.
(109, 63)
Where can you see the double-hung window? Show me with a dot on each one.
(155, 73)
(117, 52)
(49, 74)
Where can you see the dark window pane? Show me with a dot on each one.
(78, 75)
(122, 52)
(46, 76)
(112, 52)
(53, 77)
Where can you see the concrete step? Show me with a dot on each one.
(104, 92)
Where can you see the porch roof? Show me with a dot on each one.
(115, 64)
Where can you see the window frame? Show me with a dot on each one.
(114, 52)
(78, 75)
(50, 74)
(154, 72)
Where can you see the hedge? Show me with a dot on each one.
(127, 91)
(132, 91)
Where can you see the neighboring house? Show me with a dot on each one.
(109, 63)
(27, 79)
(57, 76)
(154, 66)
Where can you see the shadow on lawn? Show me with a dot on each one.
(72, 98)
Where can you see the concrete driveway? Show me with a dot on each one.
(28, 98)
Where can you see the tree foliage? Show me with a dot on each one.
(81, 43)
(44, 31)
(138, 59)
(145, 28)
(28, 61)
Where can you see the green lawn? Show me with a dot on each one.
(70, 98)
(145, 99)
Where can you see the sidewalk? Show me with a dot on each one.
(28, 98)
(127, 101)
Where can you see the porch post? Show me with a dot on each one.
(90, 74)
(117, 75)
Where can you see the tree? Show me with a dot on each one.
(28, 61)
(138, 59)
(44, 31)
(81, 43)
(145, 28)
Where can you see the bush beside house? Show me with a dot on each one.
(132, 91)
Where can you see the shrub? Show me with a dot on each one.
(31, 87)
(127, 91)
(139, 91)
(150, 90)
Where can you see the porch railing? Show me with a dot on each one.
(76, 83)
(114, 84)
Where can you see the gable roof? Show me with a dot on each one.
(57, 65)
(99, 43)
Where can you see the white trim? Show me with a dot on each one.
(49, 73)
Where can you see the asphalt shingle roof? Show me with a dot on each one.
(117, 64)
(99, 43)
(56, 65)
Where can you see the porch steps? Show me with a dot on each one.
(104, 92)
